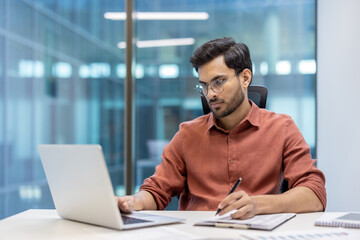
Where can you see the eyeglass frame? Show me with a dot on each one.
(202, 85)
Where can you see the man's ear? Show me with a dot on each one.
(247, 77)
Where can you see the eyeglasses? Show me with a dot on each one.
(215, 85)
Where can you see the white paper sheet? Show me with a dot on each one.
(321, 234)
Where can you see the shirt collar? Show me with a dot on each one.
(253, 117)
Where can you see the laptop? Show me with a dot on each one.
(82, 191)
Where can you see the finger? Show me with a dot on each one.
(244, 205)
(246, 208)
(231, 198)
(248, 215)
(125, 204)
(235, 205)
(120, 200)
(126, 207)
(243, 213)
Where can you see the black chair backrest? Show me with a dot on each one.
(257, 94)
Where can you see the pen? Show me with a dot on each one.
(231, 191)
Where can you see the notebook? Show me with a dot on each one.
(82, 191)
(336, 219)
(260, 222)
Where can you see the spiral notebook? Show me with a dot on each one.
(336, 219)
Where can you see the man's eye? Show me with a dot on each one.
(219, 81)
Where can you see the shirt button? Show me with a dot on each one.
(231, 136)
(231, 161)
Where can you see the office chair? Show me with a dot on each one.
(257, 94)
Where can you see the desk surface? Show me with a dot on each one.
(46, 224)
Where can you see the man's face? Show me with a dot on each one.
(225, 103)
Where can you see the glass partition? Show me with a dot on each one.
(59, 85)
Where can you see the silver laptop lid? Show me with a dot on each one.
(80, 184)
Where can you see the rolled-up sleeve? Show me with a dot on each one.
(299, 169)
(170, 175)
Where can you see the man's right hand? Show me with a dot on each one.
(126, 203)
(140, 201)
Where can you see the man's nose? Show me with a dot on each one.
(211, 93)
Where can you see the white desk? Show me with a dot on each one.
(46, 224)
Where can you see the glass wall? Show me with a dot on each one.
(281, 38)
(62, 73)
(59, 84)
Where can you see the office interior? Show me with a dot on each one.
(64, 70)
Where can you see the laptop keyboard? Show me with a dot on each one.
(132, 220)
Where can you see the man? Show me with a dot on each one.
(208, 154)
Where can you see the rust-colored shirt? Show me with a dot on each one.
(203, 161)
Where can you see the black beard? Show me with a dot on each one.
(234, 103)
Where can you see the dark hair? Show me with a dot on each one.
(237, 55)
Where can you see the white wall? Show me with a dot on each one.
(338, 99)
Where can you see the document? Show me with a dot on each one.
(333, 219)
(261, 222)
(321, 234)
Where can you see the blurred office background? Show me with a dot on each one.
(62, 76)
